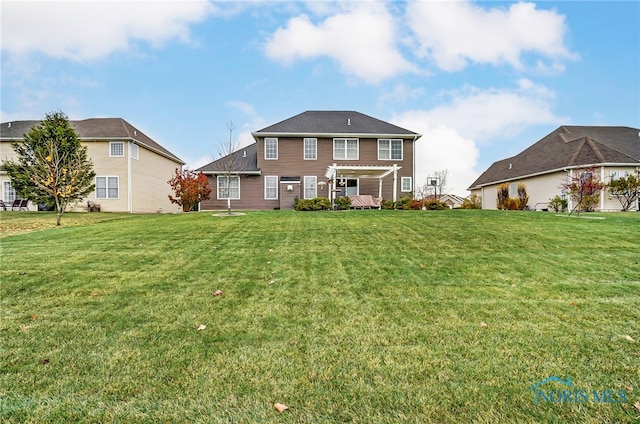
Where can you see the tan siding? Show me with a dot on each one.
(150, 176)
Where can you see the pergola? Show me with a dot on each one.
(336, 172)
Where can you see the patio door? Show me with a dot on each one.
(350, 187)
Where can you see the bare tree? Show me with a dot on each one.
(229, 162)
(434, 186)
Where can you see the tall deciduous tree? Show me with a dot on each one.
(584, 189)
(190, 188)
(626, 189)
(51, 165)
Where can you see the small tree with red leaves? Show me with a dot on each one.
(190, 188)
(584, 189)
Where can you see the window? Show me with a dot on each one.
(616, 175)
(116, 149)
(231, 190)
(311, 148)
(107, 187)
(310, 187)
(271, 148)
(270, 188)
(405, 184)
(513, 190)
(8, 192)
(134, 151)
(345, 148)
(389, 149)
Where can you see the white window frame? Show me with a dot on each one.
(403, 187)
(8, 192)
(226, 187)
(270, 187)
(310, 182)
(386, 152)
(267, 154)
(108, 179)
(134, 150)
(313, 148)
(112, 146)
(344, 151)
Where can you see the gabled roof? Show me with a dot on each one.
(336, 122)
(94, 129)
(568, 147)
(243, 161)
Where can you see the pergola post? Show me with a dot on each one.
(395, 182)
(380, 188)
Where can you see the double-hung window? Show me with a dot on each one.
(389, 149)
(134, 151)
(311, 148)
(271, 187)
(405, 184)
(107, 187)
(228, 187)
(310, 187)
(271, 148)
(345, 149)
(8, 192)
(116, 149)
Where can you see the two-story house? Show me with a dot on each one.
(315, 154)
(132, 170)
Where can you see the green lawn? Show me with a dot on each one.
(361, 316)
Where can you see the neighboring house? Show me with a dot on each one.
(132, 170)
(565, 153)
(452, 200)
(315, 154)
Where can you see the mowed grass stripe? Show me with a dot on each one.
(366, 316)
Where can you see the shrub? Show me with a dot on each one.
(557, 204)
(503, 196)
(343, 202)
(322, 203)
(434, 205)
(388, 204)
(472, 202)
(523, 197)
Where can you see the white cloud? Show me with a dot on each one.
(454, 131)
(454, 33)
(90, 30)
(361, 38)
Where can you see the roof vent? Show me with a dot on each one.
(244, 154)
(509, 165)
(135, 133)
(348, 121)
(9, 125)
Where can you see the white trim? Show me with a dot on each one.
(265, 187)
(111, 145)
(346, 148)
(402, 180)
(304, 148)
(265, 147)
(228, 191)
(390, 150)
(314, 185)
(106, 187)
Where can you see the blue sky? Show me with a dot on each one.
(480, 80)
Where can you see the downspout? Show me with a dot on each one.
(413, 165)
(570, 200)
(602, 191)
(129, 185)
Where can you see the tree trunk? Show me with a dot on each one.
(229, 205)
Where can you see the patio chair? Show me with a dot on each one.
(3, 205)
(20, 205)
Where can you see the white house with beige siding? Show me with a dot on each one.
(132, 170)
(613, 152)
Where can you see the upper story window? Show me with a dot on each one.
(311, 148)
(346, 148)
(389, 149)
(271, 148)
(134, 151)
(116, 149)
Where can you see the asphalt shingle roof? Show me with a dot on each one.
(92, 129)
(568, 146)
(243, 160)
(334, 122)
